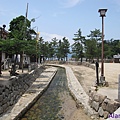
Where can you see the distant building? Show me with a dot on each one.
(116, 58)
(3, 32)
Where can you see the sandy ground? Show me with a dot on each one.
(87, 78)
(85, 75)
(6, 74)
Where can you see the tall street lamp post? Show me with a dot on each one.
(102, 14)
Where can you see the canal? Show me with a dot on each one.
(56, 103)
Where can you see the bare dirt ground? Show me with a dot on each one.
(85, 75)
(69, 109)
(87, 78)
(6, 74)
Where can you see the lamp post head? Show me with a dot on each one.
(102, 12)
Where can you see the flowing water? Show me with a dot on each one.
(56, 103)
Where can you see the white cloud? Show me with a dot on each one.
(70, 3)
(49, 36)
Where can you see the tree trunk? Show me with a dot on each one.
(21, 60)
(81, 59)
(13, 70)
(0, 62)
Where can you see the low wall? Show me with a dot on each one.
(102, 106)
(73, 63)
(12, 90)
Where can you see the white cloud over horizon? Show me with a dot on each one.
(50, 36)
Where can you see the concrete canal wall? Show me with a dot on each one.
(95, 105)
(29, 97)
(12, 90)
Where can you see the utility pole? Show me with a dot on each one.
(24, 35)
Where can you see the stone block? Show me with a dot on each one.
(5, 107)
(106, 114)
(101, 112)
(1, 90)
(116, 105)
(1, 98)
(1, 110)
(96, 97)
(110, 107)
(104, 103)
(95, 105)
(106, 100)
(9, 97)
(91, 93)
(12, 94)
(104, 106)
(102, 98)
(5, 100)
(95, 115)
(11, 102)
(90, 101)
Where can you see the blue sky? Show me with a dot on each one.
(63, 18)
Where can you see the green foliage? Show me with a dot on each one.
(66, 46)
(78, 45)
(20, 39)
(93, 45)
(20, 27)
(30, 47)
(95, 34)
(111, 47)
(90, 48)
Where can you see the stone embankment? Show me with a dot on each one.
(12, 90)
(41, 81)
(102, 106)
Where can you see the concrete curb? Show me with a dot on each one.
(77, 90)
(31, 95)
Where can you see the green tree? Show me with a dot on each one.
(90, 49)
(78, 45)
(95, 38)
(22, 27)
(50, 51)
(111, 47)
(54, 46)
(60, 53)
(13, 46)
(66, 48)
(19, 37)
